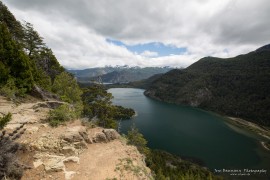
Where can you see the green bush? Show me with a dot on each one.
(4, 120)
(168, 166)
(135, 138)
(9, 89)
(67, 88)
(97, 103)
(121, 113)
(107, 123)
(61, 114)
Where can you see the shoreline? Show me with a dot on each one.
(251, 127)
(265, 146)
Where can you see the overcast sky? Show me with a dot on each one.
(95, 33)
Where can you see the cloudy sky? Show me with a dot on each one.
(95, 33)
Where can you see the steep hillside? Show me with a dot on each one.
(145, 83)
(236, 86)
(25, 60)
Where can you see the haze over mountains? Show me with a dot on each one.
(118, 74)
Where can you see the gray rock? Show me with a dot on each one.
(54, 163)
(72, 136)
(80, 145)
(42, 94)
(100, 137)
(84, 135)
(72, 159)
(68, 150)
(111, 134)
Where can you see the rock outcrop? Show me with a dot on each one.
(42, 94)
(111, 134)
(72, 151)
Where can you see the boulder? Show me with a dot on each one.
(72, 137)
(111, 134)
(72, 159)
(54, 163)
(46, 143)
(84, 135)
(68, 150)
(100, 137)
(80, 145)
(76, 134)
(43, 94)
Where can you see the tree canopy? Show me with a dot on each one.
(24, 57)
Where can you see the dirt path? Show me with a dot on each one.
(44, 148)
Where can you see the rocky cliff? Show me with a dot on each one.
(73, 151)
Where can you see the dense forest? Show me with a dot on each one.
(236, 86)
(25, 59)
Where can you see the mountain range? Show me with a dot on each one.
(118, 74)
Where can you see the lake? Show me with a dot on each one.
(191, 132)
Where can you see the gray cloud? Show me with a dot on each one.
(76, 30)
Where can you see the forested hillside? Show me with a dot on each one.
(236, 86)
(25, 60)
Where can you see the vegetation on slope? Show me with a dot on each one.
(25, 60)
(98, 105)
(236, 86)
(165, 165)
(15, 66)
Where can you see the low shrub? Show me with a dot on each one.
(61, 114)
(4, 120)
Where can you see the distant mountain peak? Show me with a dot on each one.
(263, 48)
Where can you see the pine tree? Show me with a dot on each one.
(14, 26)
(33, 43)
(13, 59)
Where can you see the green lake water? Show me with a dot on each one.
(191, 132)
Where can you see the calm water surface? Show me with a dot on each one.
(191, 132)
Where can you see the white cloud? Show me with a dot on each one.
(77, 30)
(149, 53)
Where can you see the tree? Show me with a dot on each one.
(47, 62)
(14, 62)
(97, 103)
(67, 88)
(32, 40)
(136, 138)
(14, 26)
